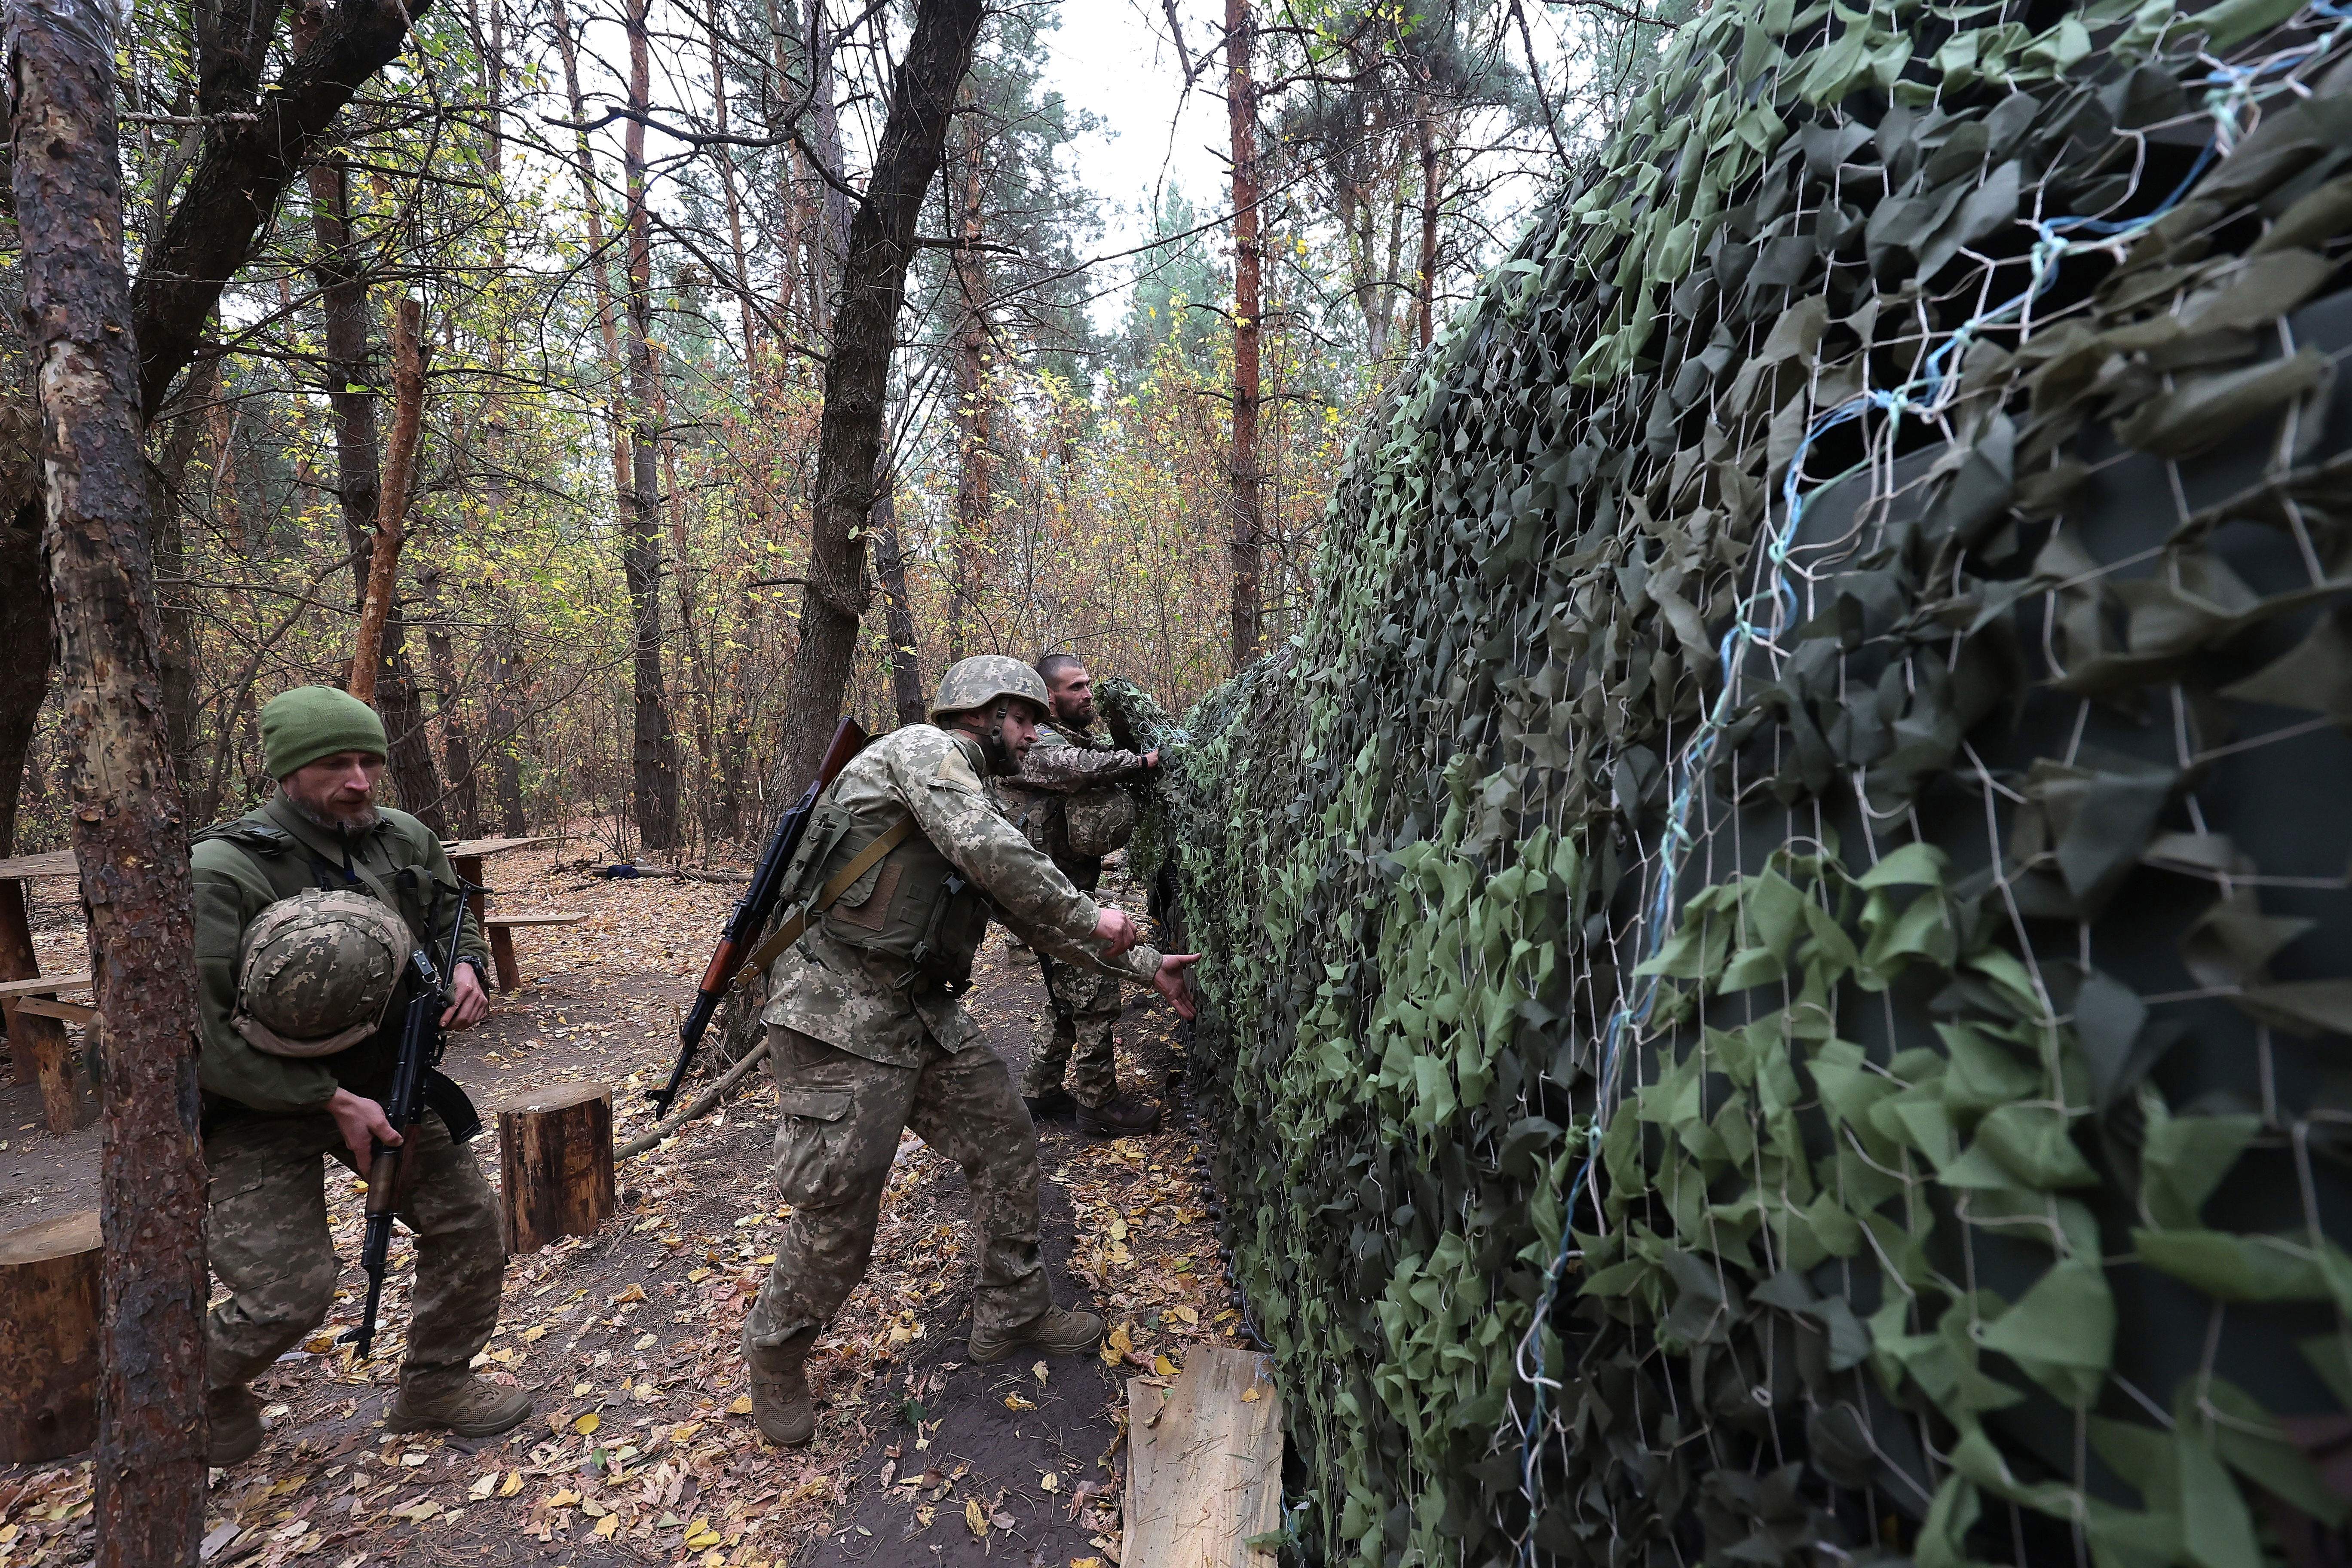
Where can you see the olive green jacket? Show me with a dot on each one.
(272, 853)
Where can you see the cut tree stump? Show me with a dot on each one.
(1205, 1465)
(555, 1164)
(48, 1338)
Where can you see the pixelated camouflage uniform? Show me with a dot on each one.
(266, 1122)
(1069, 759)
(862, 1048)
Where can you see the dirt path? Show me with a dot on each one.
(641, 1449)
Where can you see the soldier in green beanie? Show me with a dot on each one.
(300, 1027)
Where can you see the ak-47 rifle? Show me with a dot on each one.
(754, 908)
(420, 1044)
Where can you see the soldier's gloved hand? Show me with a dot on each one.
(361, 1122)
(468, 1003)
(1116, 929)
(1152, 758)
(1170, 982)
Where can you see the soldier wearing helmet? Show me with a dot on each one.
(307, 912)
(903, 864)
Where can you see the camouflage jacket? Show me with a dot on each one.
(241, 868)
(1067, 760)
(852, 999)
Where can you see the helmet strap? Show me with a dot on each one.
(992, 746)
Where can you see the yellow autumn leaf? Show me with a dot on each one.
(481, 1489)
(1049, 1482)
(593, 1508)
(1163, 1366)
(696, 1276)
(1186, 1315)
(742, 1406)
(607, 1525)
(513, 1484)
(699, 1535)
(1038, 1372)
(1015, 1401)
(634, 1293)
(563, 1498)
(537, 1332)
(1253, 1395)
(587, 1424)
(974, 1519)
(1086, 1563)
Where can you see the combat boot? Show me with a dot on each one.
(1050, 1106)
(233, 1426)
(780, 1390)
(1119, 1116)
(1059, 1332)
(469, 1407)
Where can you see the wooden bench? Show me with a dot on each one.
(501, 930)
(35, 1019)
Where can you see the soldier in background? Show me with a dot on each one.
(903, 864)
(305, 913)
(1069, 796)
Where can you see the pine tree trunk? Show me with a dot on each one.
(150, 1473)
(456, 746)
(25, 674)
(974, 506)
(351, 398)
(857, 373)
(1243, 550)
(1432, 193)
(899, 610)
(653, 753)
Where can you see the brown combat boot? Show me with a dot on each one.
(1059, 1332)
(469, 1407)
(780, 1390)
(1119, 1116)
(233, 1426)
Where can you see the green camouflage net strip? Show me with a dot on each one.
(1779, 962)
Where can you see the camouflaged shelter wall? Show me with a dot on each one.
(1780, 971)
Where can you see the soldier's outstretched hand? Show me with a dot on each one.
(1170, 982)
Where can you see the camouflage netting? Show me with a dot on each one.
(1779, 970)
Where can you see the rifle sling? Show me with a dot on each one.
(784, 935)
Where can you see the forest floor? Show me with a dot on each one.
(641, 1447)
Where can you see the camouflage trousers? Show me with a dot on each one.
(837, 1134)
(266, 1235)
(1085, 1005)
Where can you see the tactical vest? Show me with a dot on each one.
(913, 904)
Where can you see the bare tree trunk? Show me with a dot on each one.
(899, 610)
(501, 716)
(24, 630)
(351, 397)
(652, 752)
(1241, 98)
(392, 503)
(457, 747)
(974, 505)
(858, 371)
(150, 1472)
(195, 410)
(1432, 195)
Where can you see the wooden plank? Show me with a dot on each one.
(475, 848)
(50, 1007)
(1204, 1464)
(56, 863)
(537, 920)
(46, 984)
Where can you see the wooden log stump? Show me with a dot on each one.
(555, 1165)
(48, 1338)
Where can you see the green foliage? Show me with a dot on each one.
(1777, 941)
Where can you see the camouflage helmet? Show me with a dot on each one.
(316, 972)
(977, 681)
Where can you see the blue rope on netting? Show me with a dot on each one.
(1924, 396)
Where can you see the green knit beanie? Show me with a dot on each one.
(300, 726)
